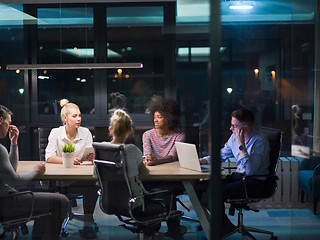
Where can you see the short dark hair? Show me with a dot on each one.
(169, 110)
(4, 111)
(243, 115)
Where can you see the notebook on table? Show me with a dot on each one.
(188, 157)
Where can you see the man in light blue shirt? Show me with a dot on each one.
(249, 147)
(251, 150)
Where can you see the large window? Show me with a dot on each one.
(136, 34)
(267, 56)
(65, 35)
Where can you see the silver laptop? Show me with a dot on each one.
(188, 157)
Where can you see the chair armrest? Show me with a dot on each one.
(274, 177)
(270, 181)
(309, 164)
(316, 171)
(164, 198)
(160, 194)
(30, 207)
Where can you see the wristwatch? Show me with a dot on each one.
(241, 147)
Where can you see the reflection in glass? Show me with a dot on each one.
(75, 85)
(136, 35)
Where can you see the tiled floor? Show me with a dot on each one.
(293, 222)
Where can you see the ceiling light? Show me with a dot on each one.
(87, 52)
(43, 77)
(241, 5)
(196, 51)
(18, 67)
(21, 91)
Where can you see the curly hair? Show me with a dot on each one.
(169, 110)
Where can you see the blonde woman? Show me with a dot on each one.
(80, 137)
(120, 128)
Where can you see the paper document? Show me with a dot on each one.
(87, 151)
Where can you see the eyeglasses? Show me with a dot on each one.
(237, 125)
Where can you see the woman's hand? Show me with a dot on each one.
(150, 160)
(90, 157)
(203, 161)
(77, 161)
(40, 168)
(13, 135)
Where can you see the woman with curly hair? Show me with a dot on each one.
(159, 142)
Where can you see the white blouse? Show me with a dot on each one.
(58, 138)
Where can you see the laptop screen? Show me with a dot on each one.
(188, 156)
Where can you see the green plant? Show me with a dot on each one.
(68, 147)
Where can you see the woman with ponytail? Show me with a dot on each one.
(120, 128)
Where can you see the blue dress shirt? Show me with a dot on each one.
(255, 161)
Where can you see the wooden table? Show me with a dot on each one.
(173, 172)
(169, 171)
(57, 172)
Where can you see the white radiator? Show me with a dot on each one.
(288, 185)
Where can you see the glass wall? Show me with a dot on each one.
(65, 35)
(267, 57)
(267, 54)
(136, 35)
(12, 86)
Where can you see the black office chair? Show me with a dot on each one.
(116, 196)
(43, 134)
(275, 140)
(17, 224)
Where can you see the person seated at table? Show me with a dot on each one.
(120, 128)
(80, 137)
(250, 148)
(159, 142)
(46, 227)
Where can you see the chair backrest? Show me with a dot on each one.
(43, 134)
(275, 141)
(110, 167)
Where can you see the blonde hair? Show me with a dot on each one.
(121, 124)
(65, 110)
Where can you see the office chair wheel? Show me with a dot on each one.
(64, 234)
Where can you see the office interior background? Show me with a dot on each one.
(269, 64)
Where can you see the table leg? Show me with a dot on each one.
(202, 214)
